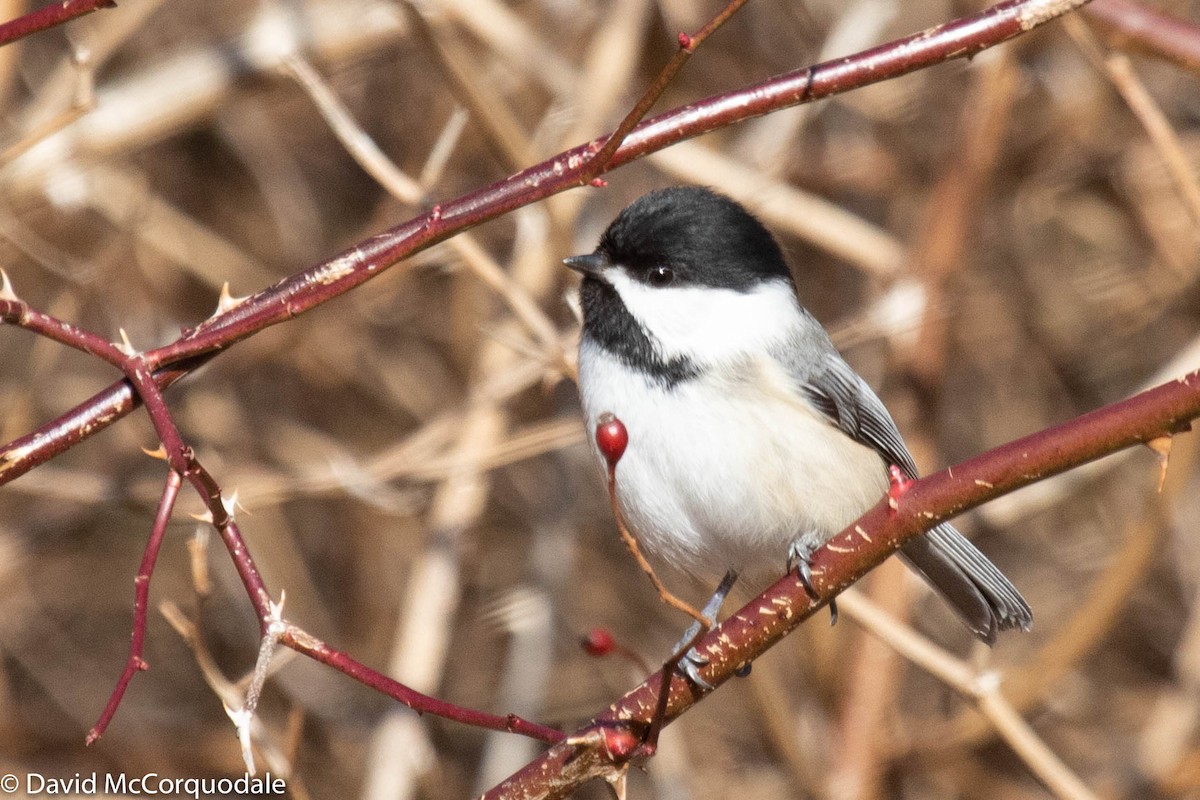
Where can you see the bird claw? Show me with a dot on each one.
(690, 665)
(799, 558)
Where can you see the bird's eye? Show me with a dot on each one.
(660, 276)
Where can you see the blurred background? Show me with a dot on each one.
(997, 245)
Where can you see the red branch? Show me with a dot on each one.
(48, 16)
(305, 643)
(141, 602)
(1136, 27)
(1161, 411)
(303, 291)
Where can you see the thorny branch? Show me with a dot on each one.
(1162, 411)
(306, 290)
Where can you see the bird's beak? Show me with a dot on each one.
(590, 265)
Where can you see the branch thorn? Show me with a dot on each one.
(226, 300)
(1162, 447)
(6, 287)
(125, 346)
(159, 452)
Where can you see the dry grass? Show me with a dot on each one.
(999, 245)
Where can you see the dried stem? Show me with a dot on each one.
(631, 543)
(687, 45)
(1138, 27)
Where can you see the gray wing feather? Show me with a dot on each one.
(985, 599)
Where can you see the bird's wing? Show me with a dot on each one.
(985, 599)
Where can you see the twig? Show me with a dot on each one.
(1147, 111)
(141, 599)
(398, 184)
(48, 16)
(599, 162)
(631, 544)
(1144, 29)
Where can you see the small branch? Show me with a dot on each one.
(303, 642)
(983, 688)
(141, 598)
(1139, 28)
(1164, 138)
(687, 45)
(631, 544)
(50, 15)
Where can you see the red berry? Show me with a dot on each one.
(611, 438)
(598, 642)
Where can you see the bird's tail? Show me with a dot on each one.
(985, 599)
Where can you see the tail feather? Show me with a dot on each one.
(972, 585)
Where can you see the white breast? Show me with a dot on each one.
(727, 470)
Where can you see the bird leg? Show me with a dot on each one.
(691, 660)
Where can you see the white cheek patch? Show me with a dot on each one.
(708, 324)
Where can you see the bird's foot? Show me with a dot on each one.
(691, 662)
(799, 558)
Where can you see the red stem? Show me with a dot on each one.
(1136, 27)
(306, 290)
(1162, 411)
(141, 602)
(55, 13)
(302, 642)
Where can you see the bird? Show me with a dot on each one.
(751, 441)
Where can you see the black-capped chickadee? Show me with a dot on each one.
(751, 440)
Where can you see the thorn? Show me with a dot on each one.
(899, 483)
(226, 301)
(231, 504)
(241, 721)
(6, 288)
(206, 517)
(125, 345)
(1162, 447)
(617, 781)
(277, 626)
(159, 452)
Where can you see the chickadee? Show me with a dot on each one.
(751, 440)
